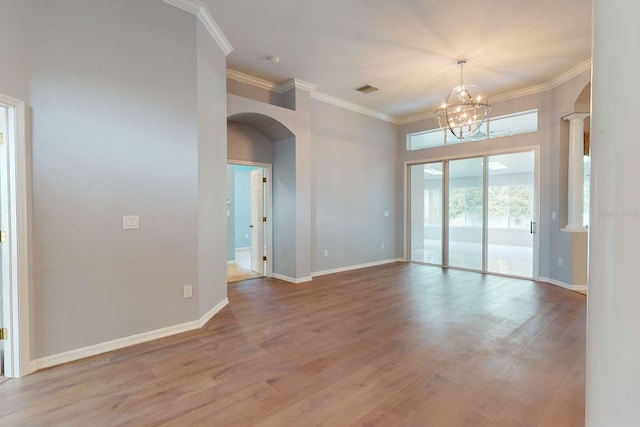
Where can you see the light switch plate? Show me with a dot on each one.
(187, 291)
(130, 222)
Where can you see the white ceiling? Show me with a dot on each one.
(406, 48)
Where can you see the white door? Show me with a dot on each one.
(3, 226)
(257, 223)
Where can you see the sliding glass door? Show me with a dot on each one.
(465, 190)
(426, 213)
(475, 213)
(510, 198)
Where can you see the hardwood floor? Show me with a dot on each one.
(401, 344)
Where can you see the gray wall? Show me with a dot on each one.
(248, 144)
(14, 74)
(212, 171)
(355, 180)
(128, 118)
(284, 207)
(279, 124)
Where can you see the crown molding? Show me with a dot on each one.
(267, 85)
(301, 84)
(197, 8)
(557, 81)
(251, 80)
(532, 90)
(297, 84)
(415, 118)
(338, 102)
(329, 99)
(570, 74)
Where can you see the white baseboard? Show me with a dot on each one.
(356, 267)
(575, 288)
(248, 248)
(231, 262)
(81, 353)
(291, 279)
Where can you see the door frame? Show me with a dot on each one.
(268, 225)
(15, 290)
(257, 222)
(407, 201)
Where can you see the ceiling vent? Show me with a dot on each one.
(367, 89)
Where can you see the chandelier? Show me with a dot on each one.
(460, 111)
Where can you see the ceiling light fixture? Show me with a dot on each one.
(461, 112)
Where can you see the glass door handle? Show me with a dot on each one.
(532, 227)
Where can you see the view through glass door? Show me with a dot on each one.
(465, 190)
(475, 213)
(511, 196)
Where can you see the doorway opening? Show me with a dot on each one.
(476, 213)
(14, 297)
(248, 218)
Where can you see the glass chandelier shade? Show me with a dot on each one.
(461, 111)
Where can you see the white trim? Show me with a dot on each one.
(415, 117)
(200, 10)
(81, 353)
(338, 102)
(16, 308)
(269, 233)
(356, 267)
(575, 288)
(243, 249)
(557, 81)
(209, 314)
(296, 84)
(231, 262)
(267, 85)
(291, 279)
(251, 80)
(471, 154)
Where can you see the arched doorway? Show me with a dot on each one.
(261, 196)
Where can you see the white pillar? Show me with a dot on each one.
(575, 188)
(613, 320)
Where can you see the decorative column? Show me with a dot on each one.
(613, 319)
(576, 172)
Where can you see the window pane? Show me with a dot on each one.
(432, 138)
(465, 213)
(478, 136)
(513, 124)
(426, 213)
(510, 212)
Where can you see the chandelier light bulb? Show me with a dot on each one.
(460, 112)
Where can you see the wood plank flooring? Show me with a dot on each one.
(400, 344)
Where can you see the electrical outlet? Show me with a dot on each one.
(553, 216)
(246, 236)
(382, 245)
(386, 213)
(187, 291)
(560, 261)
(326, 252)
